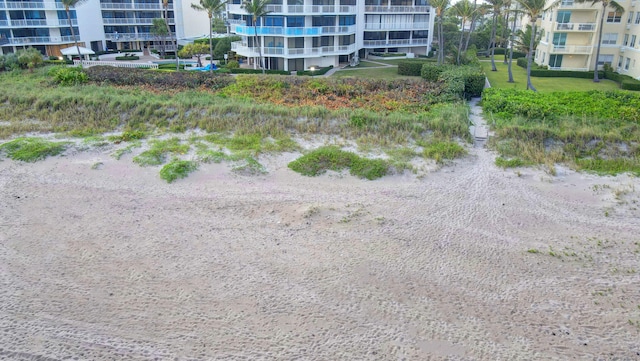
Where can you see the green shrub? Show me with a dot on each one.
(177, 169)
(431, 71)
(156, 79)
(410, 68)
(29, 58)
(9, 62)
(510, 163)
(332, 158)
(259, 71)
(522, 62)
(461, 81)
(544, 73)
(232, 64)
(320, 71)
(67, 76)
(128, 57)
(630, 85)
(31, 149)
(439, 150)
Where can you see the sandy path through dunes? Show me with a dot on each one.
(116, 264)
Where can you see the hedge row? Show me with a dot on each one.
(320, 71)
(461, 81)
(545, 73)
(258, 71)
(128, 57)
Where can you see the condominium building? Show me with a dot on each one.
(570, 35)
(299, 34)
(99, 25)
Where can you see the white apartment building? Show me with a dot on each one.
(570, 35)
(98, 24)
(299, 34)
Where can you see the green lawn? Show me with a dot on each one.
(498, 79)
(390, 73)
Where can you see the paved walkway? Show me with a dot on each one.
(479, 128)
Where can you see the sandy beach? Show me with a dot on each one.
(469, 262)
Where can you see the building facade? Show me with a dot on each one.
(98, 24)
(570, 35)
(300, 34)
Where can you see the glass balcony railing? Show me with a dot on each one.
(284, 31)
(394, 42)
(396, 26)
(245, 50)
(300, 9)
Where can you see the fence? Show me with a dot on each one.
(117, 64)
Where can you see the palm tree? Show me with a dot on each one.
(165, 5)
(465, 11)
(496, 8)
(505, 29)
(440, 6)
(605, 3)
(67, 4)
(257, 9)
(159, 29)
(533, 8)
(212, 7)
(516, 14)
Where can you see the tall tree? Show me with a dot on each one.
(213, 8)
(464, 11)
(604, 3)
(257, 9)
(505, 30)
(496, 9)
(533, 9)
(516, 14)
(68, 4)
(159, 29)
(440, 6)
(165, 5)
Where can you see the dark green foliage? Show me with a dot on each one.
(544, 73)
(510, 163)
(157, 154)
(258, 71)
(387, 55)
(522, 62)
(460, 81)
(177, 169)
(432, 71)
(128, 136)
(502, 51)
(332, 158)
(441, 150)
(160, 80)
(610, 166)
(31, 149)
(68, 76)
(630, 85)
(320, 71)
(411, 67)
(128, 57)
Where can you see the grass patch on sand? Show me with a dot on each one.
(158, 151)
(32, 149)
(177, 169)
(333, 158)
(441, 150)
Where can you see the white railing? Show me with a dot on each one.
(573, 49)
(392, 26)
(567, 69)
(301, 9)
(236, 22)
(65, 22)
(395, 42)
(396, 9)
(117, 64)
(4, 22)
(168, 47)
(576, 26)
(30, 22)
(566, 3)
(129, 36)
(132, 20)
(41, 40)
(33, 5)
(136, 6)
(245, 50)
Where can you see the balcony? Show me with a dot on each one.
(4, 23)
(396, 9)
(306, 31)
(576, 26)
(27, 5)
(29, 22)
(572, 49)
(135, 6)
(236, 22)
(132, 21)
(245, 50)
(123, 37)
(396, 26)
(37, 40)
(300, 9)
(394, 43)
(65, 22)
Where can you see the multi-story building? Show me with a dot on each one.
(570, 35)
(299, 34)
(99, 25)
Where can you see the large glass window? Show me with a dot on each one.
(295, 21)
(63, 14)
(626, 63)
(346, 20)
(274, 21)
(614, 17)
(605, 59)
(633, 41)
(323, 21)
(560, 39)
(555, 61)
(296, 43)
(609, 38)
(626, 40)
(564, 17)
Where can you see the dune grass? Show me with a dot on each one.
(31, 149)
(499, 79)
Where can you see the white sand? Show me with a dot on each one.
(115, 264)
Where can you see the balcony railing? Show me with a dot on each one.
(42, 40)
(4, 22)
(121, 37)
(567, 69)
(65, 22)
(29, 22)
(32, 5)
(245, 50)
(236, 22)
(396, 9)
(300, 9)
(111, 21)
(284, 31)
(576, 26)
(395, 42)
(109, 6)
(396, 26)
(572, 49)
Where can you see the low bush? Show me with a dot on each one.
(522, 62)
(159, 80)
(460, 81)
(332, 158)
(441, 150)
(66, 76)
(432, 71)
(258, 71)
(177, 169)
(411, 67)
(31, 149)
(128, 57)
(544, 73)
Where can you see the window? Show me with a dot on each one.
(564, 17)
(626, 64)
(560, 39)
(273, 21)
(609, 38)
(555, 61)
(638, 18)
(630, 17)
(620, 62)
(633, 41)
(346, 20)
(626, 40)
(295, 22)
(614, 17)
(605, 59)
